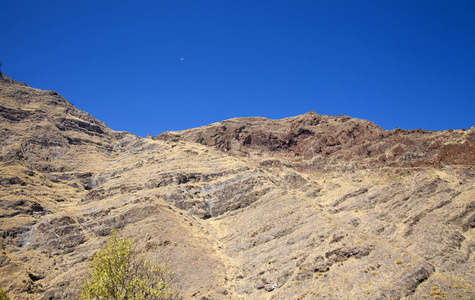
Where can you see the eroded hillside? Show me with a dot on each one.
(308, 207)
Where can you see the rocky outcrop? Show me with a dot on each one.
(313, 136)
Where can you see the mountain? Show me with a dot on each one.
(307, 207)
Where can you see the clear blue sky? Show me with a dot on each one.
(152, 66)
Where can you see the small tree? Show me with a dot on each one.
(119, 271)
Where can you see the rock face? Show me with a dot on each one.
(308, 207)
(335, 138)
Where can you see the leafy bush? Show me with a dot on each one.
(3, 296)
(119, 271)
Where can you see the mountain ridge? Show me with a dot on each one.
(278, 209)
(310, 134)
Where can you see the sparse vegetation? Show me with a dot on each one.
(399, 261)
(437, 293)
(120, 271)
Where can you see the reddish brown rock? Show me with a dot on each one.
(343, 138)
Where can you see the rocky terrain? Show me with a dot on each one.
(307, 207)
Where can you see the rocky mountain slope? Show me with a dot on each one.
(308, 207)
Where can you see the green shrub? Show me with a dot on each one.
(3, 296)
(119, 271)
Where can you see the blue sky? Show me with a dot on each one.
(152, 66)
